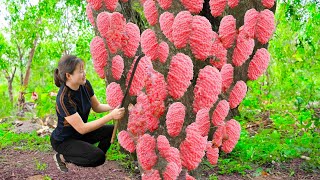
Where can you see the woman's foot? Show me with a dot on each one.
(59, 160)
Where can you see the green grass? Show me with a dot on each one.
(40, 166)
(23, 141)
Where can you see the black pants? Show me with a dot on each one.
(82, 152)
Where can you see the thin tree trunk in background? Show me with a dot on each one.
(31, 55)
(10, 81)
(25, 80)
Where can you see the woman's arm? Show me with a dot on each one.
(76, 122)
(98, 107)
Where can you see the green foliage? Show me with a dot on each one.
(114, 153)
(125, 160)
(7, 108)
(47, 177)
(23, 141)
(40, 166)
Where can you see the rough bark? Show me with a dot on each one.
(240, 73)
(10, 81)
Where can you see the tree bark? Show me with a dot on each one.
(10, 80)
(28, 68)
(240, 73)
(25, 80)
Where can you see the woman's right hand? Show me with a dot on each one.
(117, 113)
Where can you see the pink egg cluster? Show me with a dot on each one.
(220, 113)
(207, 89)
(145, 114)
(151, 47)
(260, 25)
(186, 29)
(218, 136)
(203, 121)
(138, 81)
(166, 22)
(146, 154)
(212, 154)
(156, 89)
(217, 6)
(233, 130)
(259, 64)
(192, 149)
(227, 31)
(268, 3)
(181, 29)
(172, 171)
(226, 136)
(99, 55)
(111, 5)
(265, 26)
(118, 34)
(126, 141)
(250, 21)
(139, 116)
(180, 74)
(243, 49)
(226, 76)
(175, 118)
(114, 94)
(151, 175)
(194, 6)
(95, 4)
(150, 11)
(201, 37)
(117, 67)
(165, 4)
(237, 94)
(233, 3)
(131, 39)
(89, 14)
(163, 145)
(218, 52)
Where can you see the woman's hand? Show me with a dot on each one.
(117, 113)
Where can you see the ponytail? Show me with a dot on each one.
(67, 64)
(57, 79)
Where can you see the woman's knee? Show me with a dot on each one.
(97, 158)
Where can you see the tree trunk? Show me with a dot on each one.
(28, 68)
(10, 81)
(240, 72)
(25, 80)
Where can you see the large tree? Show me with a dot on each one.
(199, 54)
(35, 37)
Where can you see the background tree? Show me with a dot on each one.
(35, 40)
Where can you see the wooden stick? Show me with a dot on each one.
(116, 124)
(125, 96)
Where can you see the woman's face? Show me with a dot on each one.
(79, 75)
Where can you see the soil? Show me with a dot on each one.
(23, 165)
(16, 164)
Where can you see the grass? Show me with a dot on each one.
(23, 141)
(40, 166)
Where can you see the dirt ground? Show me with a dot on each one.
(34, 165)
(27, 164)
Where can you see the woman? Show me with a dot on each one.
(73, 138)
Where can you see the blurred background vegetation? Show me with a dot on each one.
(279, 116)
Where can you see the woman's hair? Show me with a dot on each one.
(67, 64)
